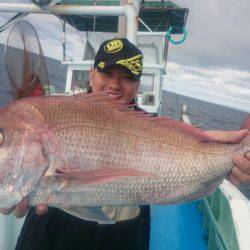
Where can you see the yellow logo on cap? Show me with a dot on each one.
(101, 64)
(134, 64)
(113, 46)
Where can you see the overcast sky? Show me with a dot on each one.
(212, 64)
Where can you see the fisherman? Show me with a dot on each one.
(117, 71)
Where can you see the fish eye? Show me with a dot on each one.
(1, 137)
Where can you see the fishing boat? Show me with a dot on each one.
(221, 221)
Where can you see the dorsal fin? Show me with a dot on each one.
(162, 122)
(181, 126)
(105, 100)
(246, 123)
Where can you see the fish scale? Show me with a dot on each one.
(89, 150)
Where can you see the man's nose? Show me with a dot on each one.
(114, 84)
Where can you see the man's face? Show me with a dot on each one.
(116, 82)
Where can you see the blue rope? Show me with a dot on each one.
(169, 37)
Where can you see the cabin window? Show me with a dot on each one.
(148, 99)
(80, 80)
(147, 83)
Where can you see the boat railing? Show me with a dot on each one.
(226, 217)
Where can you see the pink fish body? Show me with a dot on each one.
(87, 151)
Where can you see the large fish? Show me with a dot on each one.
(81, 152)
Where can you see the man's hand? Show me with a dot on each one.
(240, 174)
(22, 207)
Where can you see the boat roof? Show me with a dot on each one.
(158, 15)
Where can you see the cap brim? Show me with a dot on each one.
(135, 78)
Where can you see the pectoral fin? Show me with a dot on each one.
(97, 176)
(90, 214)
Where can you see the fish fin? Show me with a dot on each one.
(203, 194)
(90, 214)
(90, 95)
(106, 100)
(206, 188)
(246, 123)
(234, 136)
(197, 196)
(121, 213)
(181, 126)
(204, 136)
(81, 94)
(227, 136)
(97, 176)
(163, 122)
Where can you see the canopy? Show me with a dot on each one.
(158, 15)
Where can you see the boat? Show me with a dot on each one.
(221, 221)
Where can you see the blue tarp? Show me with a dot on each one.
(177, 227)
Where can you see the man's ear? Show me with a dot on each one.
(91, 76)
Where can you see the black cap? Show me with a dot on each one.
(119, 52)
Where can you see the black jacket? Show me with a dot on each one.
(57, 230)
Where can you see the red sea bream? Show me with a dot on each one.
(81, 152)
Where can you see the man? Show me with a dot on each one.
(117, 71)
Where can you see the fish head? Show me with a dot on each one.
(22, 161)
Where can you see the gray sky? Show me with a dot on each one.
(212, 64)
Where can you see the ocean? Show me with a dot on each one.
(207, 115)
